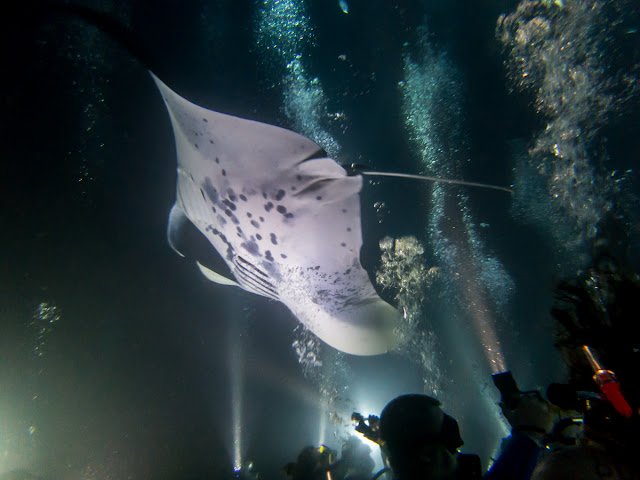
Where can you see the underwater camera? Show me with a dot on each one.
(369, 427)
(508, 388)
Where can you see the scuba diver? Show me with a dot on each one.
(599, 340)
(312, 463)
(355, 461)
(418, 440)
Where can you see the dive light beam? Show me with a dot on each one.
(322, 426)
(482, 322)
(236, 379)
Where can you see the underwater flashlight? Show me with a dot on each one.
(608, 384)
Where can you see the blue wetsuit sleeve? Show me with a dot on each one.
(517, 459)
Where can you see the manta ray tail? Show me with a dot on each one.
(356, 169)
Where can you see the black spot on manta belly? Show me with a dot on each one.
(224, 172)
(268, 206)
(274, 239)
(283, 255)
(232, 195)
(217, 160)
(251, 247)
(255, 224)
(280, 195)
(258, 236)
(205, 120)
(281, 209)
(243, 198)
(229, 204)
(268, 256)
(210, 190)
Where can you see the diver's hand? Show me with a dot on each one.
(532, 416)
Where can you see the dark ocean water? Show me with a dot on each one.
(117, 356)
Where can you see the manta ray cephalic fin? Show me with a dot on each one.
(215, 276)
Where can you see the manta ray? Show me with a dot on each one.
(284, 217)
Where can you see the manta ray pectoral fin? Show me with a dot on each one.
(215, 276)
(368, 328)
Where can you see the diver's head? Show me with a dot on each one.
(419, 439)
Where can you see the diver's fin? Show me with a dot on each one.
(215, 276)
(370, 173)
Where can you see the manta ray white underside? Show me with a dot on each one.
(285, 218)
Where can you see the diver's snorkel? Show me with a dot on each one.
(608, 384)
